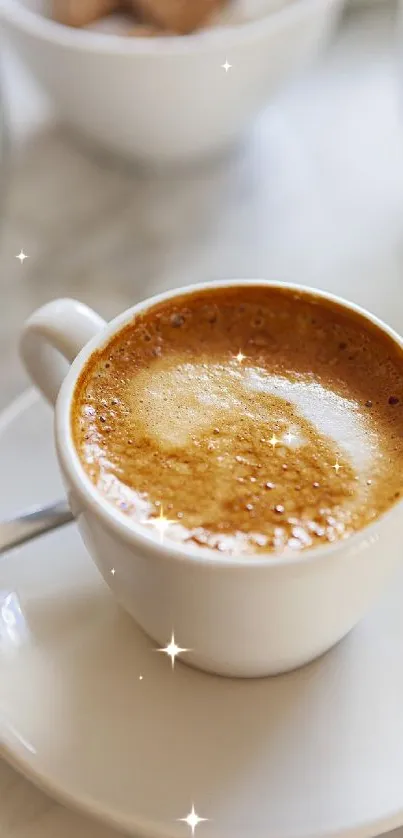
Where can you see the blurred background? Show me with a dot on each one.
(306, 185)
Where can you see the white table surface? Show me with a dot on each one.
(316, 193)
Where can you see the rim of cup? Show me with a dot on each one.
(136, 533)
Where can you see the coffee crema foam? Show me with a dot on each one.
(246, 420)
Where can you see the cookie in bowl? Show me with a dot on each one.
(166, 99)
(152, 17)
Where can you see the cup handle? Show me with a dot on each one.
(52, 337)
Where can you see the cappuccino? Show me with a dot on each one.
(246, 420)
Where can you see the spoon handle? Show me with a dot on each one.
(32, 523)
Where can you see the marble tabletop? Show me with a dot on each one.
(315, 194)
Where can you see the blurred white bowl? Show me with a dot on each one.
(167, 99)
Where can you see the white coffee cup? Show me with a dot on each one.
(238, 616)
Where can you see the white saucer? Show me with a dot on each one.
(316, 753)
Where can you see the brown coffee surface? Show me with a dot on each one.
(251, 419)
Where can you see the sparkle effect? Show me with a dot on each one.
(274, 441)
(140, 677)
(192, 819)
(22, 256)
(172, 650)
(161, 523)
(337, 467)
(240, 357)
(288, 437)
(226, 66)
(113, 571)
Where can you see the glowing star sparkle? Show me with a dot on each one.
(192, 819)
(288, 437)
(172, 650)
(226, 66)
(22, 256)
(113, 571)
(161, 524)
(337, 467)
(240, 357)
(274, 441)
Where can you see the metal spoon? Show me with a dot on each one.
(32, 523)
